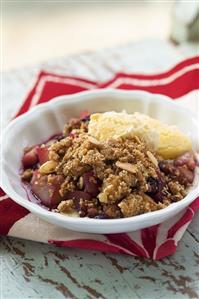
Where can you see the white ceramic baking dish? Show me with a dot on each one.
(47, 119)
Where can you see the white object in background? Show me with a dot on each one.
(185, 20)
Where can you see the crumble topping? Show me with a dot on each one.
(113, 178)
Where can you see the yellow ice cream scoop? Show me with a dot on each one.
(167, 140)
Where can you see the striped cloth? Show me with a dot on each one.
(180, 83)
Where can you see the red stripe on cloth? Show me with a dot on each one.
(56, 75)
(148, 236)
(88, 244)
(125, 241)
(10, 212)
(58, 89)
(26, 104)
(165, 249)
(177, 88)
(2, 193)
(183, 220)
(178, 67)
(55, 89)
(195, 205)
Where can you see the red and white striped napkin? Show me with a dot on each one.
(154, 242)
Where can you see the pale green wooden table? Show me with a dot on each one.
(34, 270)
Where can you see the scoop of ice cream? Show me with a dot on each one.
(167, 140)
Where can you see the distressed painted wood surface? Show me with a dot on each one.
(35, 270)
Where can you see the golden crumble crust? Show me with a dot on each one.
(136, 204)
(116, 178)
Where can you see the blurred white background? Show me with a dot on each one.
(35, 31)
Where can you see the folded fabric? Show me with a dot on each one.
(154, 242)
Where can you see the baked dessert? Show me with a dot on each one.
(110, 165)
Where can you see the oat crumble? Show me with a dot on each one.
(115, 178)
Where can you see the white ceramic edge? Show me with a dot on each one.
(172, 209)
